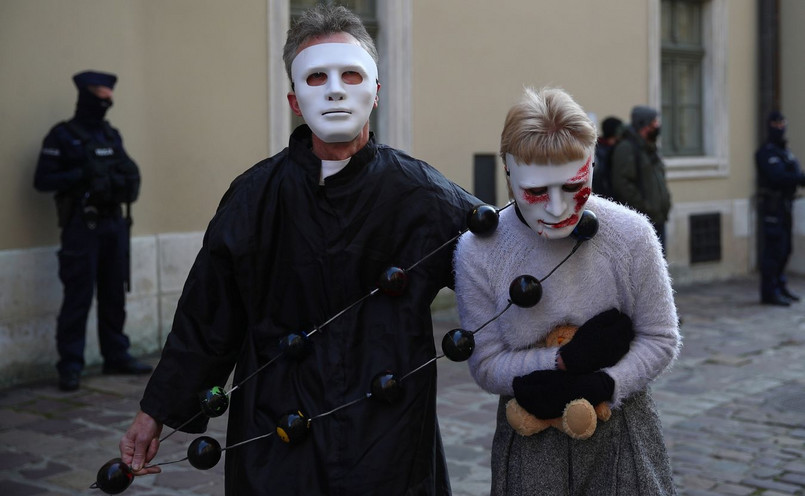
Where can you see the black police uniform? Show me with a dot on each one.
(84, 162)
(778, 174)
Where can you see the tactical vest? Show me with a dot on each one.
(112, 177)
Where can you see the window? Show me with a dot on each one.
(682, 56)
(688, 81)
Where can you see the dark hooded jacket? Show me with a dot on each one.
(638, 177)
(283, 255)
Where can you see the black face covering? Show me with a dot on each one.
(653, 134)
(777, 136)
(90, 108)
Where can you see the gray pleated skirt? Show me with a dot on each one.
(625, 457)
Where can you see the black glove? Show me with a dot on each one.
(545, 393)
(600, 342)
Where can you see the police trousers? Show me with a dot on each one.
(91, 258)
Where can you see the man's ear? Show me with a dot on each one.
(294, 104)
(377, 94)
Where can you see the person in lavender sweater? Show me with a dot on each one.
(615, 288)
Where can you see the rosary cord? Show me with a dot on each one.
(174, 431)
(448, 242)
(342, 312)
(576, 247)
(493, 318)
(248, 441)
(367, 395)
(334, 317)
(421, 367)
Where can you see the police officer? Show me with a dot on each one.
(778, 174)
(84, 162)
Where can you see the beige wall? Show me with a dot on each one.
(192, 95)
(472, 58)
(190, 100)
(793, 73)
(793, 107)
(192, 104)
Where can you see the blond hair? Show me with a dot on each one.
(547, 126)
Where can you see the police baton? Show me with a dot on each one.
(129, 222)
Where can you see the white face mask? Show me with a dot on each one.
(336, 86)
(551, 197)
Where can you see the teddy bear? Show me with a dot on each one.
(579, 418)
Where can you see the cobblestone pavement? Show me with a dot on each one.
(733, 411)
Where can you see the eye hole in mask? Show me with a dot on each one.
(348, 77)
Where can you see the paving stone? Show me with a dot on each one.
(796, 466)
(697, 482)
(774, 485)
(11, 461)
(793, 478)
(53, 426)
(51, 407)
(84, 434)
(736, 456)
(730, 413)
(50, 469)
(457, 469)
(184, 479)
(700, 492)
(734, 489)
(14, 419)
(10, 487)
(766, 473)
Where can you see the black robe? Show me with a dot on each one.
(285, 255)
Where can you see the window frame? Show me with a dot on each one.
(715, 111)
(681, 70)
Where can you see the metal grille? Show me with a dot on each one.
(705, 238)
(484, 178)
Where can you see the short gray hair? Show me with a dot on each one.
(322, 20)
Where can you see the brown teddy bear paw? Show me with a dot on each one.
(579, 419)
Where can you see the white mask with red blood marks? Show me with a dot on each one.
(551, 197)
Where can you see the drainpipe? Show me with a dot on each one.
(769, 83)
(768, 62)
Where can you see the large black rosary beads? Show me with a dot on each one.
(386, 386)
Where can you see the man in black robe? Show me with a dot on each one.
(297, 246)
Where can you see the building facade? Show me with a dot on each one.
(201, 96)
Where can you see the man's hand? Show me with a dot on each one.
(140, 444)
(600, 342)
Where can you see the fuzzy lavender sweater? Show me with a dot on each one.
(621, 267)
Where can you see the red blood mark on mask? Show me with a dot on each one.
(583, 173)
(532, 198)
(581, 197)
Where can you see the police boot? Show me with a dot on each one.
(776, 299)
(788, 294)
